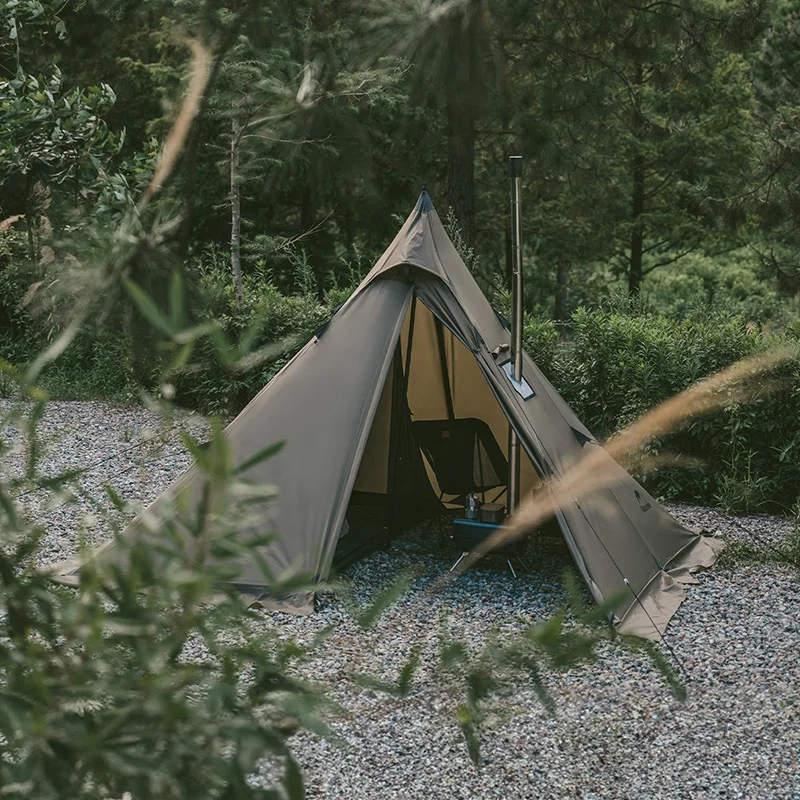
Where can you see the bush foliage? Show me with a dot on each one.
(617, 364)
(611, 364)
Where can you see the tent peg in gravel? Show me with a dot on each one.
(418, 340)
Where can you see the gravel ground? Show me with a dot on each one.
(617, 733)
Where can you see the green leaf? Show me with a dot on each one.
(466, 721)
(197, 450)
(148, 308)
(7, 505)
(660, 662)
(262, 455)
(176, 307)
(385, 598)
(453, 653)
(182, 359)
(293, 780)
(408, 670)
(116, 500)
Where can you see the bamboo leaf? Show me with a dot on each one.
(408, 671)
(385, 598)
(466, 721)
(148, 308)
(176, 307)
(262, 455)
(293, 780)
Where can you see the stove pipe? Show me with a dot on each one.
(515, 165)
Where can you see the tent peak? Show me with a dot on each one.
(424, 204)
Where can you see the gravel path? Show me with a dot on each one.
(618, 733)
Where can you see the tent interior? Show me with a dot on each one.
(434, 376)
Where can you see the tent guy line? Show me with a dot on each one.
(89, 467)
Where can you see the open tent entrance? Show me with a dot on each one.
(434, 386)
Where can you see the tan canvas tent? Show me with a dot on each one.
(418, 340)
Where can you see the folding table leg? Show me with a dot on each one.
(511, 567)
(523, 565)
(460, 559)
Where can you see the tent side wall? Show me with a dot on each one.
(324, 409)
(604, 530)
(322, 404)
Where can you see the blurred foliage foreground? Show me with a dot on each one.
(151, 679)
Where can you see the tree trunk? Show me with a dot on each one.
(637, 205)
(236, 215)
(637, 234)
(29, 221)
(461, 166)
(561, 310)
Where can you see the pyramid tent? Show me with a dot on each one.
(418, 340)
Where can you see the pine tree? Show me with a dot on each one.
(777, 71)
(640, 124)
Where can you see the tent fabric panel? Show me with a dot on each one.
(652, 610)
(611, 545)
(427, 242)
(426, 388)
(471, 394)
(663, 535)
(323, 409)
(373, 472)
(473, 397)
(411, 495)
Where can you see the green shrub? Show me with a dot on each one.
(275, 325)
(97, 364)
(18, 337)
(541, 341)
(735, 282)
(618, 365)
(615, 364)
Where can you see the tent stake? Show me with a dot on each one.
(515, 165)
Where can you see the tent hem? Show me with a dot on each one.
(655, 605)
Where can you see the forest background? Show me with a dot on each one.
(661, 201)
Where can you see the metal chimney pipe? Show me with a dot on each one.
(515, 165)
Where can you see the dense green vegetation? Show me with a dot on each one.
(662, 151)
